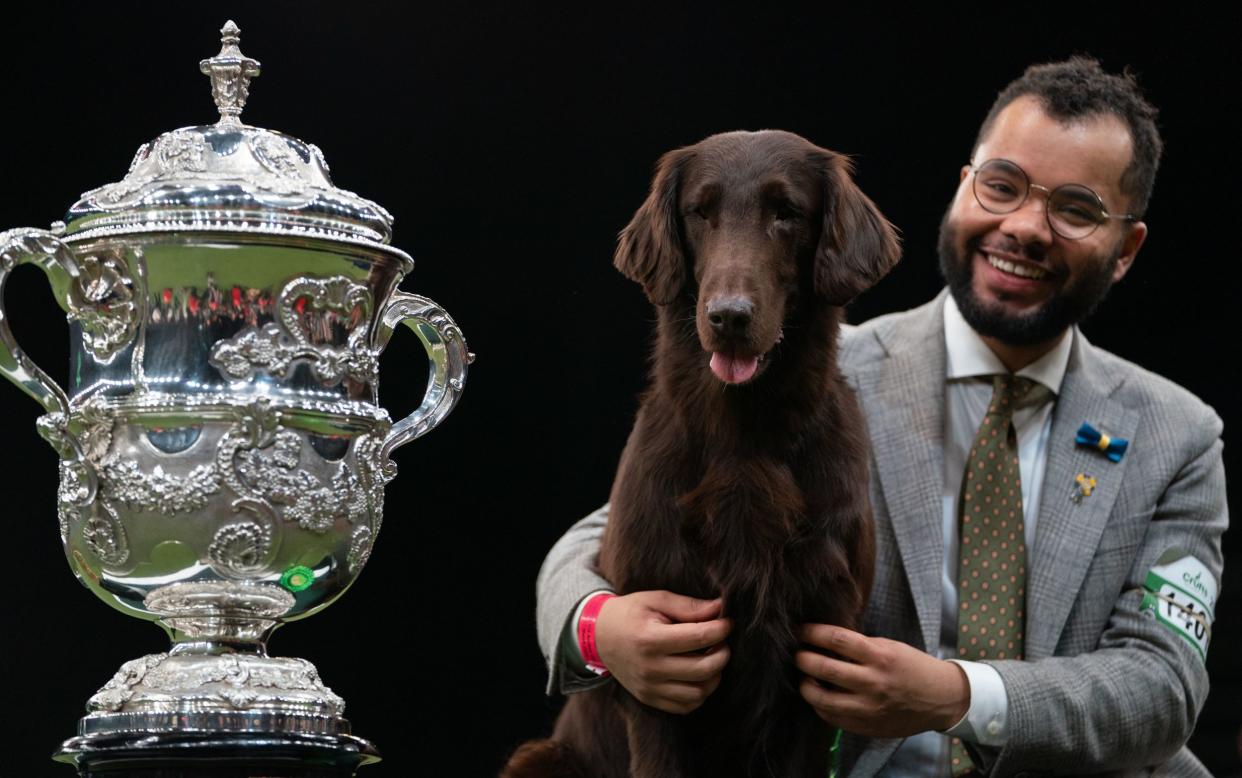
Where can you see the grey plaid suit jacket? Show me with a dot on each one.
(1103, 689)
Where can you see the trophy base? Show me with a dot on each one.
(229, 690)
(230, 715)
(216, 755)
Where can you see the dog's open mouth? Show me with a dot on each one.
(738, 365)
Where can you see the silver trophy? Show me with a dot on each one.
(222, 454)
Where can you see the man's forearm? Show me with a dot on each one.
(567, 576)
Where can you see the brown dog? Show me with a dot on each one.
(746, 473)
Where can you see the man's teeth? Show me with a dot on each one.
(1015, 269)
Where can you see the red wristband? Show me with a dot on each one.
(586, 633)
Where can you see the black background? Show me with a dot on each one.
(511, 143)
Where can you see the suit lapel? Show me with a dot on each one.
(1068, 532)
(903, 397)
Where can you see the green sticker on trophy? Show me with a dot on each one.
(297, 578)
(1180, 594)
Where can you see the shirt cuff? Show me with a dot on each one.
(986, 720)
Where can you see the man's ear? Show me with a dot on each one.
(857, 245)
(649, 249)
(1130, 245)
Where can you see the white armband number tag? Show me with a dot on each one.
(1181, 595)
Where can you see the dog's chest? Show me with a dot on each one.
(710, 497)
(739, 523)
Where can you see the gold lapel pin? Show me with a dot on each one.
(1086, 485)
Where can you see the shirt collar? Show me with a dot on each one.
(968, 356)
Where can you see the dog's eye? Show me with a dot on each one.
(785, 212)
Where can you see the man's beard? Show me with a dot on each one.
(1067, 307)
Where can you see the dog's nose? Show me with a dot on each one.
(730, 315)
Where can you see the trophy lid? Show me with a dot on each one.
(230, 177)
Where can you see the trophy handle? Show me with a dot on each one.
(44, 250)
(446, 350)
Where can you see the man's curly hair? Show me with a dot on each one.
(1079, 88)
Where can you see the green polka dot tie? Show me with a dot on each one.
(991, 581)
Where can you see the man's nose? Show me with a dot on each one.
(1029, 224)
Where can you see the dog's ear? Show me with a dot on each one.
(649, 249)
(857, 246)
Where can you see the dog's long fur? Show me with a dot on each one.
(756, 491)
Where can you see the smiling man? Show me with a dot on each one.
(1021, 277)
(1048, 516)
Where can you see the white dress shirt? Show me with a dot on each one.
(969, 367)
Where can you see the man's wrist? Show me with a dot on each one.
(587, 615)
(572, 649)
(986, 718)
(575, 677)
(956, 707)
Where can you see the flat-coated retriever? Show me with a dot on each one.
(746, 473)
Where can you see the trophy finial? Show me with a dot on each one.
(230, 72)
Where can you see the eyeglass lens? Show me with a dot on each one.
(1074, 211)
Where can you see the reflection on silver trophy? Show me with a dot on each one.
(222, 454)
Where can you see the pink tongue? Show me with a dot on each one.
(733, 370)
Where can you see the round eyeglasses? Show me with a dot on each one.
(1073, 210)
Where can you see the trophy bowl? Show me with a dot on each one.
(223, 455)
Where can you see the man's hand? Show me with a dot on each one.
(879, 687)
(665, 649)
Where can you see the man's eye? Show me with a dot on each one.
(1001, 190)
(1076, 214)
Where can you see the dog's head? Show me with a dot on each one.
(746, 225)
